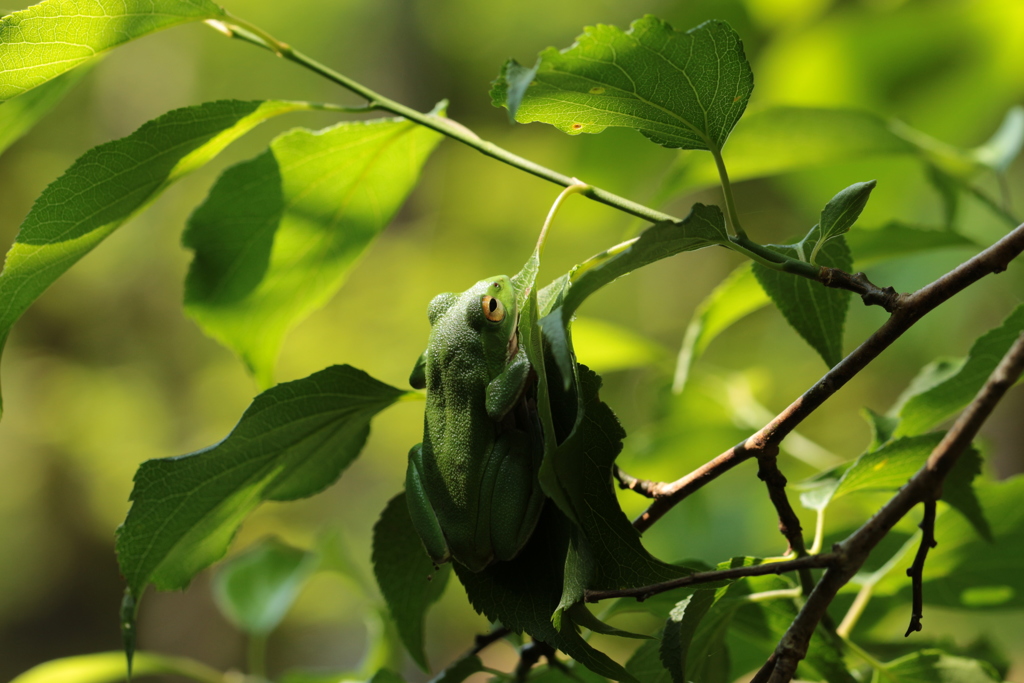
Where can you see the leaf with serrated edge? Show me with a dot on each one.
(925, 410)
(110, 183)
(54, 36)
(816, 312)
(407, 577)
(293, 441)
(255, 589)
(279, 233)
(679, 89)
(841, 212)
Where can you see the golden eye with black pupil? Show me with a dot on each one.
(494, 310)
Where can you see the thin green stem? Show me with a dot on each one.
(732, 218)
(819, 532)
(764, 596)
(256, 656)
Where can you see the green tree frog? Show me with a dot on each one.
(472, 485)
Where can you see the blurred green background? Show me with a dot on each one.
(105, 371)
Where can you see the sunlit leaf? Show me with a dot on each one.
(935, 666)
(109, 667)
(736, 297)
(816, 312)
(608, 347)
(54, 36)
(254, 590)
(110, 183)
(293, 441)
(18, 116)
(841, 212)
(679, 89)
(895, 239)
(1004, 146)
(278, 234)
(406, 575)
(925, 410)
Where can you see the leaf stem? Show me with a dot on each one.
(256, 655)
(732, 219)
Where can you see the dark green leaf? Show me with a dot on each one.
(1005, 144)
(693, 646)
(703, 227)
(584, 618)
(19, 115)
(407, 578)
(279, 233)
(293, 441)
(895, 239)
(785, 139)
(927, 409)
(841, 212)
(515, 78)
(460, 670)
(645, 664)
(816, 312)
(934, 666)
(108, 667)
(736, 297)
(679, 89)
(54, 36)
(110, 183)
(882, 427)
(255, 590)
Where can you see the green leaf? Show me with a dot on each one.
(892, 465)
(645, 665)
(1005, 144)
(896, 239)
(784, 139)
(925, 410)
(110, 183)
(524, 592)
(679, 89)
(279, 233)
(256, 589)
(293, 441)
(816, 312)
(841, 212)
(515, 78)
(949, 189)
(736, 297)
(608, 347)
(108, 667)
(693, 647)
(407, 578)
(703, 227)
(461, 669)
(966, 571)
(18, 116)
(54, 36)
(935, 666)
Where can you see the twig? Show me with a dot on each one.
(858, 283)
(483, 640)
(643, 592)
(851, 554)
(530, 654)
(908, 310)
(642, 486)
(916, 570)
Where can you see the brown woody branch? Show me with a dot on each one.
(916, 571)
(907, 309)
(924, 486)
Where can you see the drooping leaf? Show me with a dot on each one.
(925, 410)
(693, 646)
(841, 212)
(736, 297)
(54, 36)
(524, 592)
(256, 589)
(935, 666)
(892, 465)
(110, 183)
(897, 239)
(516, 79)
(108, 667)
(18, 116)
(293, 441)
(784, 139)
(703, 227)
(679, 89)
(407, 577)
(999, 151)
(279, 233)
(816, 312)
(964, 570)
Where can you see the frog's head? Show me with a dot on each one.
(492, 310)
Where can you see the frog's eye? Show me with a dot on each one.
(494, 310)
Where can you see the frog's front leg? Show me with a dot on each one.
(505, 390)
(424, 520)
